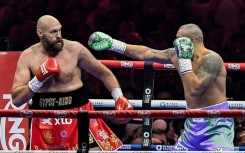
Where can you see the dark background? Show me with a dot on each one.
(153, 23)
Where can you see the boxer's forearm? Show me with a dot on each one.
(100, 41)
(145, 53)
(21, 95)
(111, 83)
(137, 51)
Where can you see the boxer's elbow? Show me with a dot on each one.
(15, 100)
(19, 98)
(194, 87)
(196, 90)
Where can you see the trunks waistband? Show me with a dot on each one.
(60, 100)
(223, 105)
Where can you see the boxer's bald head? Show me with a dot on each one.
(191, 31)
(49, 32)
(46, 21)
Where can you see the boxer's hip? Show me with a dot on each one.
(200, 125)
(208, 133)
(62, 133)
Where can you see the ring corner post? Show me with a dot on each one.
(149, 75)
(83, 131)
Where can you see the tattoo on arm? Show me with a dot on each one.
(131, 53)
(171, 52)
(135, 53)
(154, 51)
(146, 53)
(209, 68)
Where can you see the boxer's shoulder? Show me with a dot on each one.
(75, 47)
(33, 50)
(72, 45)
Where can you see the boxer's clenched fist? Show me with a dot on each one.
(47, 69)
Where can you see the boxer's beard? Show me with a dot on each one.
(55, 46)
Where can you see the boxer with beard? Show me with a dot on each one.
(49, 72)
(53, 47)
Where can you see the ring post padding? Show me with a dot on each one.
(83, 131)
(148, 91)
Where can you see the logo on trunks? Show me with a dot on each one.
(63, 134)
(58, 121)
(144, 113)
(54, 102)
(103, 134)
(126, 64)
(48, 136)
(179, 113)
(26, 113)
(214, 113)
(60, 114)
(109, 114)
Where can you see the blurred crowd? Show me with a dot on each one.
(148, 22)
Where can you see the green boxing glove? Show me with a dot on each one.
(184, 48)
(100, 41)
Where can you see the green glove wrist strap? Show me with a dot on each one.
(185, 65)
(118, 46)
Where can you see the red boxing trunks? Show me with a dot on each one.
(62, 133)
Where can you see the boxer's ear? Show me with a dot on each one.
(39, 33)
(193, 39)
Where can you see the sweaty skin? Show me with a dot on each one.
(73, 58)
(203, 87)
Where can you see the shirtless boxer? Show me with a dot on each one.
(49, 73)
(203, 76)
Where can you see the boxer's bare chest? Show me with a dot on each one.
(66, 60)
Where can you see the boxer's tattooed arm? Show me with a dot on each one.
(131, 53)
(134, 52)
(171, 52)
(211, 65)
(146, 53)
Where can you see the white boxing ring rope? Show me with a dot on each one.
(163, 104)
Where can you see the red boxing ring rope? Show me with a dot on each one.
(125, 114)
(140, 65)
